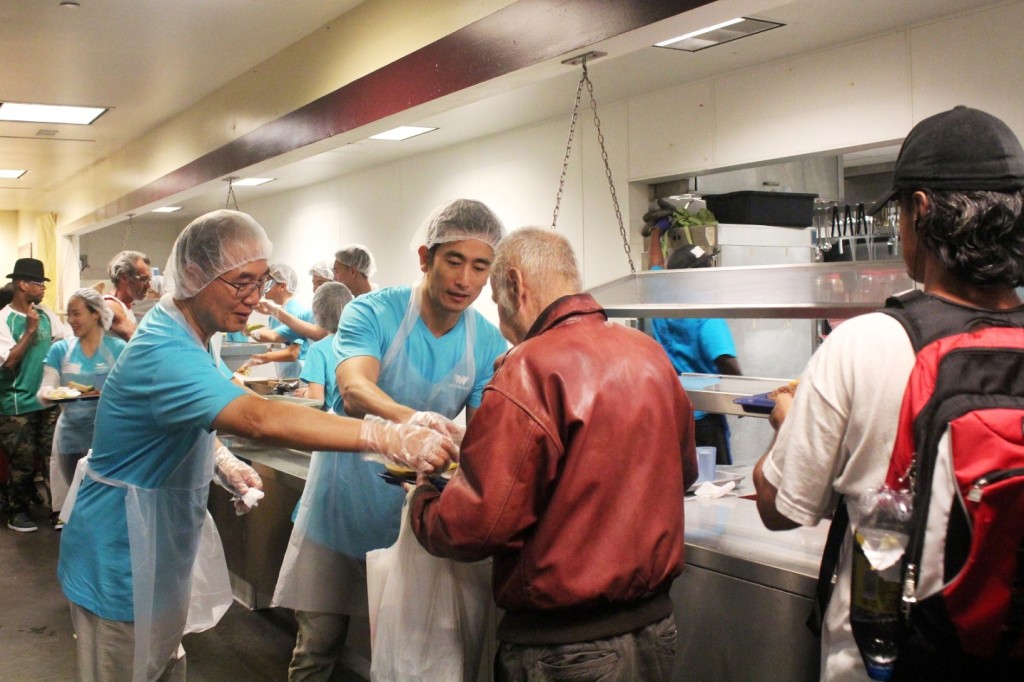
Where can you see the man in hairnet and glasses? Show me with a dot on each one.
(416, 355)
(137, 529)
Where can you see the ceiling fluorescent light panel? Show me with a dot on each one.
(725, 32)
(48, 113)
(401, 133)
(11, 174)
(251, 182)
(167, 209)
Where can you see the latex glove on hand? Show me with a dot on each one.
(268, 308)
(438, 422)
(416, 447)
(239, 479)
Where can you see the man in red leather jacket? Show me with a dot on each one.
(572, 477)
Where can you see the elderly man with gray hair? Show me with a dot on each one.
(129, 271)
(548, 487)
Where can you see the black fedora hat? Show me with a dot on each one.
(28, 268)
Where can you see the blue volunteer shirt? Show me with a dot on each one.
(165, 390)
(370, 321)
(319, 369)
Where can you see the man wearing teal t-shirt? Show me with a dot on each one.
(26, 428)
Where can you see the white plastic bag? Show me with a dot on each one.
(430, 618)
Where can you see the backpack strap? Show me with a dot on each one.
(927, 318)
(829, 565)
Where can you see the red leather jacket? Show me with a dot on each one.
(573, 469)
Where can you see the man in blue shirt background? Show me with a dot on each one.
(701, 346)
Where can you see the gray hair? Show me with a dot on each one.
(977, 235)
(544, 257)
(359, 257)
(93, 300)
(328, 302)
(124, 264)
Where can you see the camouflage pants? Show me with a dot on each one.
(26, 439)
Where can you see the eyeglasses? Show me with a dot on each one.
(246, 289)
(144, 280)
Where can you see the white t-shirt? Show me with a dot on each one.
(837, 440)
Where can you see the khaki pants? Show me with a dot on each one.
(106, 649)
(318, 645)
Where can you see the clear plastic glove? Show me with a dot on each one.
(408, 445)
(438, 422)
(239, 479)
(268, 308)
(254, 361)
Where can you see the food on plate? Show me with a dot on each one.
(84, 388)
(399, 471)
(789, 389)
(63, 393)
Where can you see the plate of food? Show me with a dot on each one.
(73, 391)
(764, 403)
(399, 475)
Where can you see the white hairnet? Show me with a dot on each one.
(93, 300)
(322, 269)
(462, 219)
(357, 256)
(283, 274)
(211, 245)
(328, 302)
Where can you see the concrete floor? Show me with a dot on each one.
(37, 642)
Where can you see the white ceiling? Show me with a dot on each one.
(149, 59)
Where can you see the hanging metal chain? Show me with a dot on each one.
(231, 195)
(127, 231)
(568, 145)
(585, 79)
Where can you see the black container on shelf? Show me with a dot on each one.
(782, 209)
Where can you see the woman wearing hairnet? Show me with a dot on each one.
(318, 371)
(281, 291)
(137, 510)
(85, 359)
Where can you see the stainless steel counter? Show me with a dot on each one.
(745, 594)
(740, 603)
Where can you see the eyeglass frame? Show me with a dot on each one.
(137, 278)
(253, 286)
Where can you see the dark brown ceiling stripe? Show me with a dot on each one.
(524, 33)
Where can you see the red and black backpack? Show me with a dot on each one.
(960, 449)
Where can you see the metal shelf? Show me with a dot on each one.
(715, 393)
(804, 291)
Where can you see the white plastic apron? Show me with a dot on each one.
(346, 509)
(179, 575)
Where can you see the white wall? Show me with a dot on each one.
(861, 94)
(8, 242)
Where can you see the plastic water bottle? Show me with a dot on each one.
(881, 520)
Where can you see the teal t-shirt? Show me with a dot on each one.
(288, 334)
(370, 321)
(319, 369)
(164, 393)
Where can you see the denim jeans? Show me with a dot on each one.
(639, 656)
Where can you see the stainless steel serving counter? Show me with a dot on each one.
(743, 599)
(740, 603)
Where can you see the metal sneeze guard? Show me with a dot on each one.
(811, 291)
